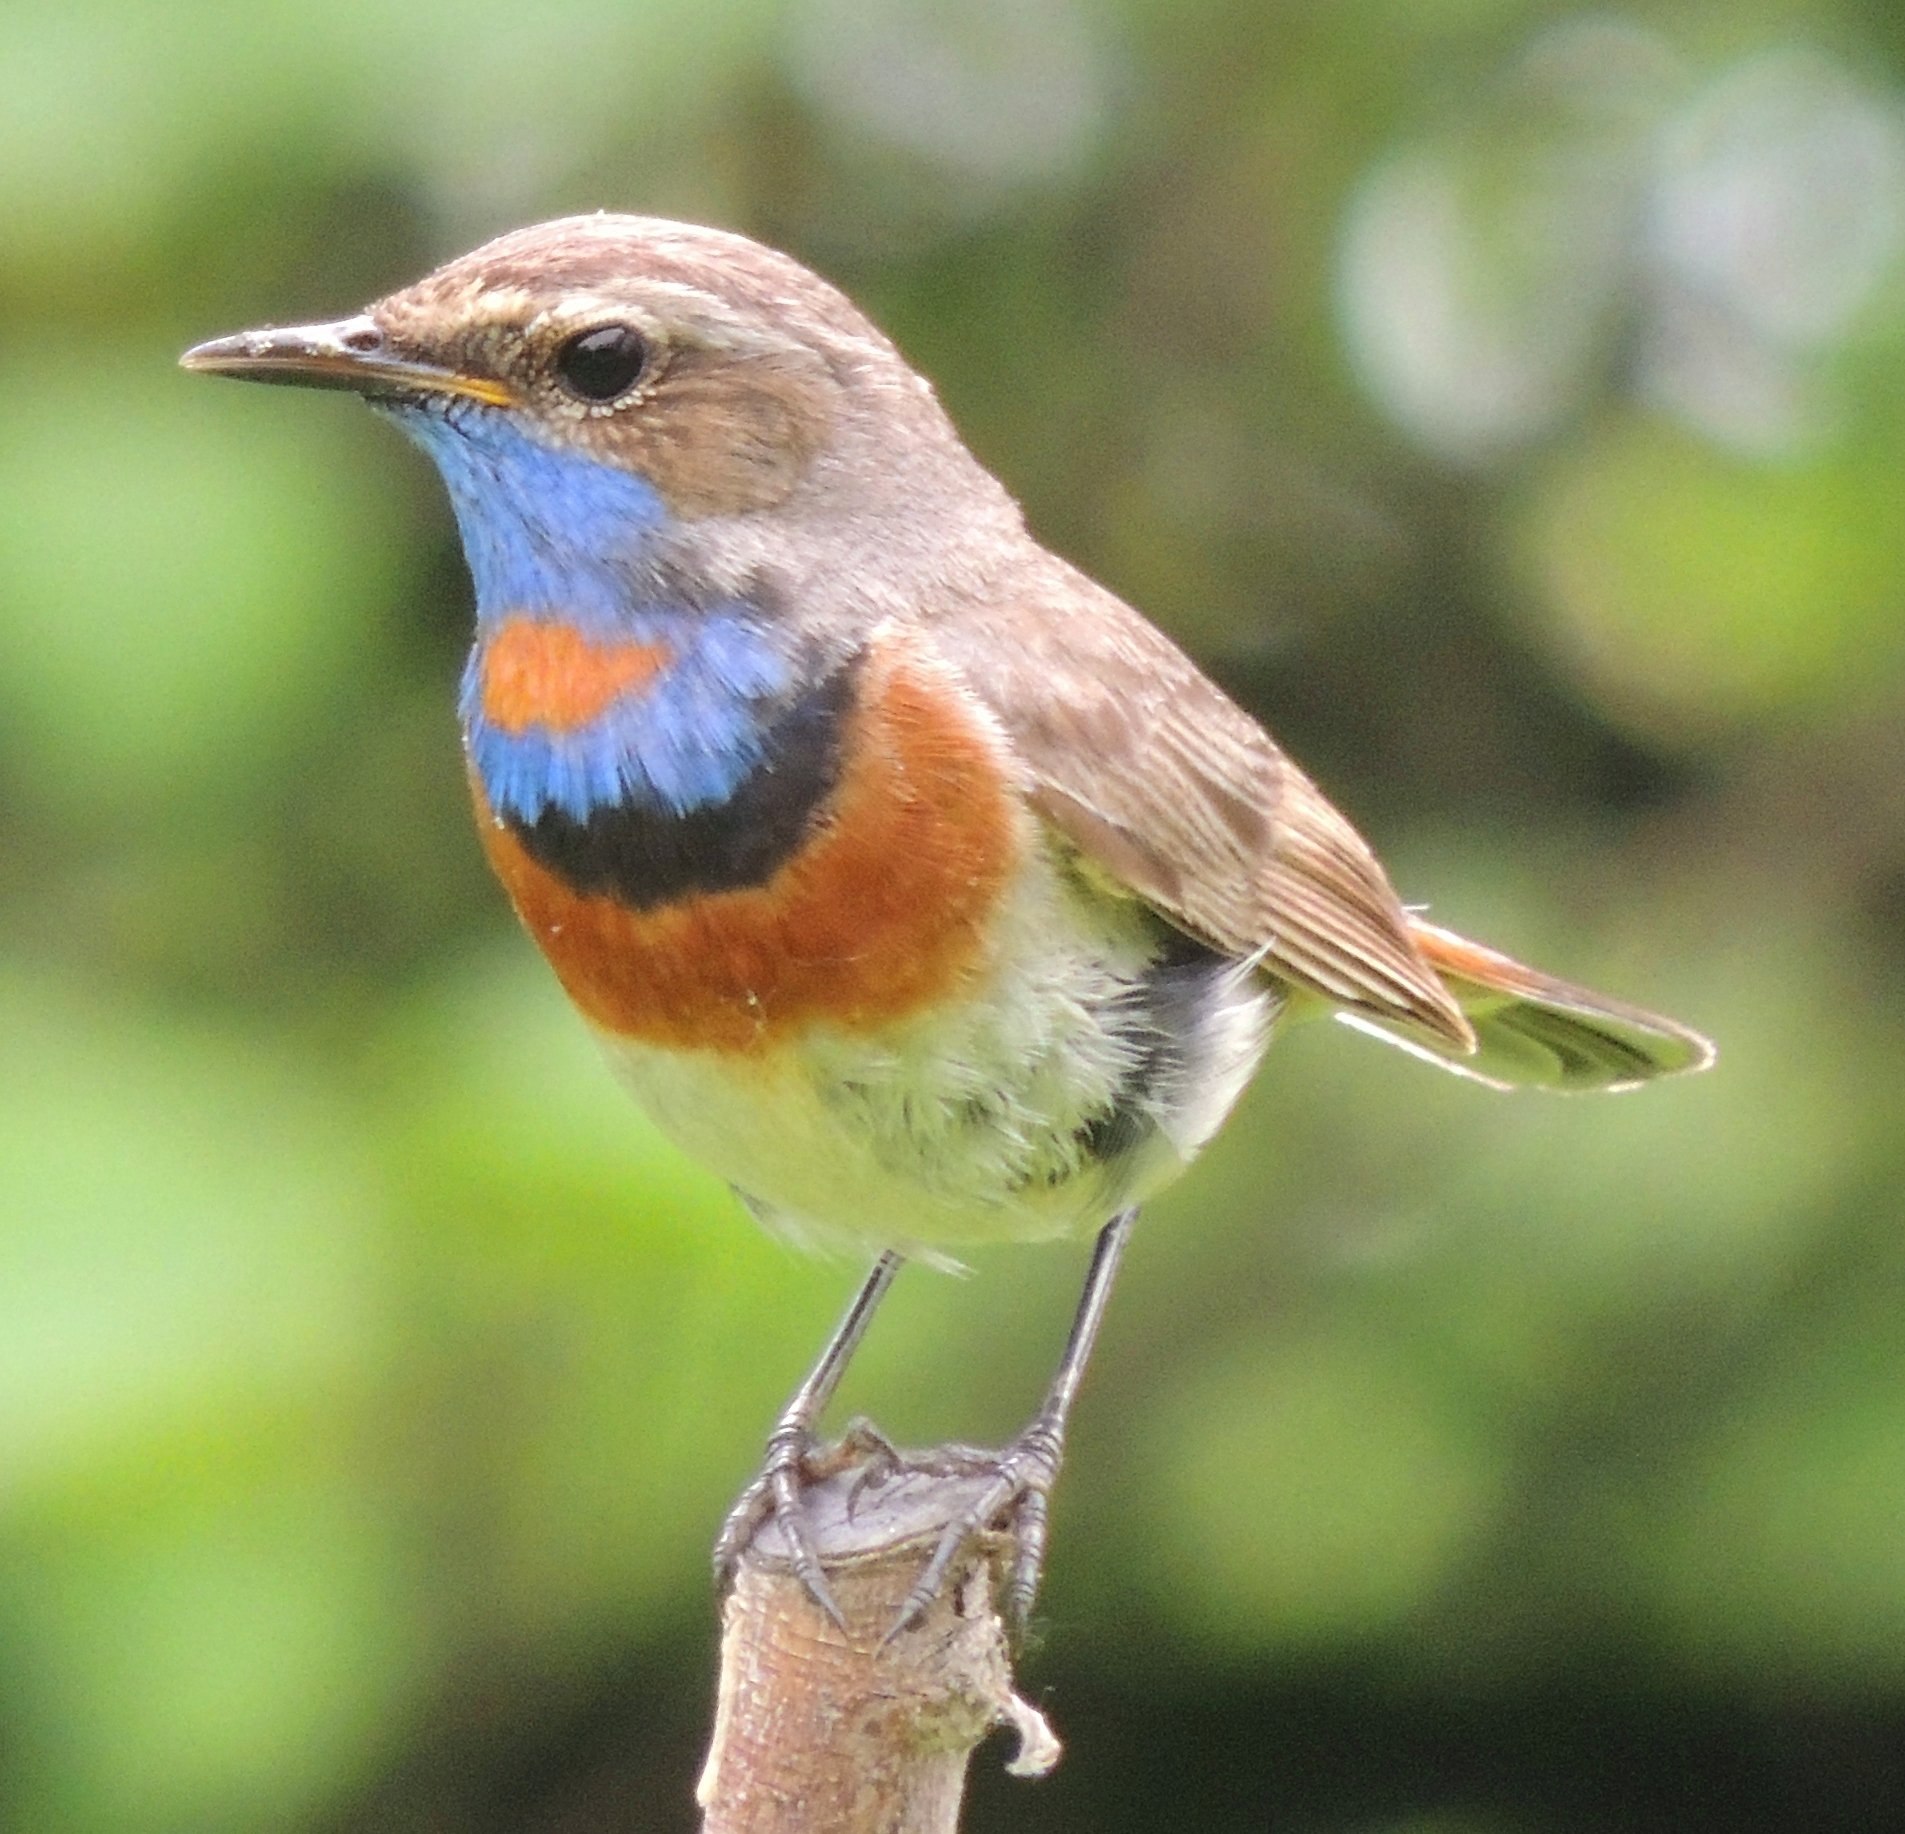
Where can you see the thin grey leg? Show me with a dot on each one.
(776, 1490)
(1026, 1470)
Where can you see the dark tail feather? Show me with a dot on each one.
(1533, 1031)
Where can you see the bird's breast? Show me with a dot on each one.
(846, 877)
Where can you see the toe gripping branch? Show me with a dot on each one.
(1010, 1490)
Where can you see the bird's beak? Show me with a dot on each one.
(353, 353)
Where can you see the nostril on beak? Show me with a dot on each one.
(365, 340)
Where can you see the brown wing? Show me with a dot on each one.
(1170, 789)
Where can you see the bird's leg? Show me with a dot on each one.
(1024, 1473)
(776, 1491)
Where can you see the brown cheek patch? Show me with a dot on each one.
(722, 434)
(883, 913)
(551, 675)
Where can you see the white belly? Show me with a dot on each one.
(1069, 1082)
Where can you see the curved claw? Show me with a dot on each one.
(738, 1528)
(1028, 1566)
(1023, 1476)
(776, 1493)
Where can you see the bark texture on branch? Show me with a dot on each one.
(820, 1732)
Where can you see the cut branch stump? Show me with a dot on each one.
(821, 1729)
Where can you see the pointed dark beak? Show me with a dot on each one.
(352, 353)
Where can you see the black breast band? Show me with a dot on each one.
(647, 857)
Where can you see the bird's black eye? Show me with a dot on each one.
(598, 365)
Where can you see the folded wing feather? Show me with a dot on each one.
(1170, 792)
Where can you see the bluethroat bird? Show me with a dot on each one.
(914, 883)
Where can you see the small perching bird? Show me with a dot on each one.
(915, 883)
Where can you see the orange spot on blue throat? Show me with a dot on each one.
(670, 715)
(535, 673)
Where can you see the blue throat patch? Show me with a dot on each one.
(562, 537)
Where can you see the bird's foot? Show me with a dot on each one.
(795, 1459)
(1016, 1498)
(1019, 1481)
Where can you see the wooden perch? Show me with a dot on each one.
(817, 1731)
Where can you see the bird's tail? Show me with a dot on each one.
(1533, 1031)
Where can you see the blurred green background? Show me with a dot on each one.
(1506, 400)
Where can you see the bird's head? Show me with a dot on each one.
(598, 387)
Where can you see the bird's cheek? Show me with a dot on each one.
(721, 443)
